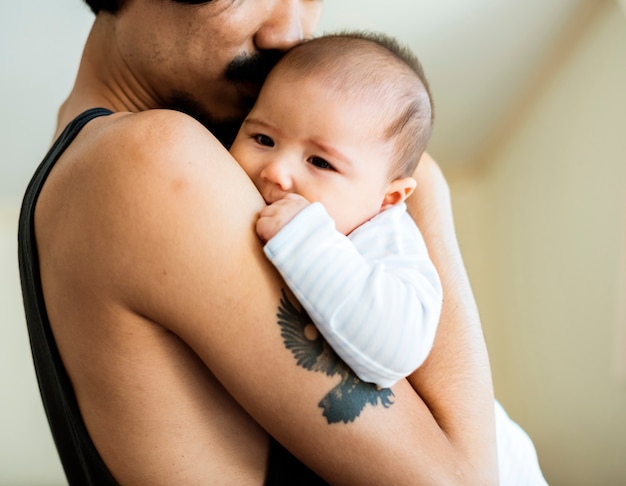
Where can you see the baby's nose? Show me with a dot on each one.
(278, 172)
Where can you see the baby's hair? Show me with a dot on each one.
(374, 66)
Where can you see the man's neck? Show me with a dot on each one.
(103, 78)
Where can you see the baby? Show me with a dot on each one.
(331, 144)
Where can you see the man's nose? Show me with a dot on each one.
(283, 27)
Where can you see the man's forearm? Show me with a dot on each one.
(455, 381)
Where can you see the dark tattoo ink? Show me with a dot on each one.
(345, 401)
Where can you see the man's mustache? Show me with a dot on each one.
(253, 68)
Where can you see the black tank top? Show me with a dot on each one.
(81, 461)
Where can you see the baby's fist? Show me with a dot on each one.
(276, 215)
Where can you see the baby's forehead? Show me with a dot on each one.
(355, 68)
(382, 88)
(347, 62)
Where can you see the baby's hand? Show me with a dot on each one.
(275, 216)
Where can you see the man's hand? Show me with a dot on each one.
(275, 216)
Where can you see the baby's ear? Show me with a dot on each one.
(397, 191)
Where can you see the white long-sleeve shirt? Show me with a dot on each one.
(375, 295)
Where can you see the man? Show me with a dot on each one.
(163, 306)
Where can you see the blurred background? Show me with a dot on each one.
(530, 100)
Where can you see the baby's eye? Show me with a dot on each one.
(321, 163)
(263, 140)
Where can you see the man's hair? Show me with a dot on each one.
(102, 5)
(113, 6)
(374, 67)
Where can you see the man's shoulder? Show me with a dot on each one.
(131, 151)
(152, 135)
(130, 186)
(130, 164)
(157, 122)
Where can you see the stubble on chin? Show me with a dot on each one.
(224, 129)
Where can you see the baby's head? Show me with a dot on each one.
(373, 68)
(342, 119)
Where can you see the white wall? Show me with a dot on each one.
(40, 44)
(27, 454)
(543, 233)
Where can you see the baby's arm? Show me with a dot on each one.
(379, 312)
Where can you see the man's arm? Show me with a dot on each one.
(457, 370)
(166, 236)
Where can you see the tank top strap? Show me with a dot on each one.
(80, 459)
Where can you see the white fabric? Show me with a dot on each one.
(517, 458)
(374, 295)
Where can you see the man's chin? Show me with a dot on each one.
(225, 130)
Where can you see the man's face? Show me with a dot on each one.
(209, 59)
(302, 138)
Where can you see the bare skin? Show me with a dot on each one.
(164, 307)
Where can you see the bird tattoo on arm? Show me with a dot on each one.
(345, 401)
